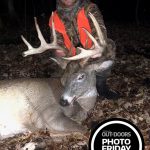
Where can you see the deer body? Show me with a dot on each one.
(31, 104)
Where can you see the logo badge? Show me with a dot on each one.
(116, 134)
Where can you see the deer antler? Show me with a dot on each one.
(44, 45)
(97, 48)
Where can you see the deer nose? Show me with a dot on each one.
(63, 102)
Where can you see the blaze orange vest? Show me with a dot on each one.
(82, 22)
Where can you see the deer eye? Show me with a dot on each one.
(80, 77)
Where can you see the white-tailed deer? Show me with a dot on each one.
(31, 104)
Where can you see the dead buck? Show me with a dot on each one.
(31, 104)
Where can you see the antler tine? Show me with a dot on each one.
(91, 37)
(40, 36)
(53, 31)
(26, 42)
(83, 54)
(44, 45)
(97, 49)
(98, 29)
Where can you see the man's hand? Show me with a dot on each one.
(60, 53)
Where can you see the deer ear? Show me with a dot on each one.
(101, 66)
(105, 65)
(60, 62)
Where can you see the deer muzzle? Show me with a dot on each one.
(66, 100)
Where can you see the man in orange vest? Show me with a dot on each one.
(69, 19)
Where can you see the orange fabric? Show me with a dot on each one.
(82, 22)
(59, 27)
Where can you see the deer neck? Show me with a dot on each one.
(87, 101)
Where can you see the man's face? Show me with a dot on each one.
(68, 3)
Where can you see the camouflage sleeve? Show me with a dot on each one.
(111, 47)
(60, 40)
(59, 37)
(93, 8)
